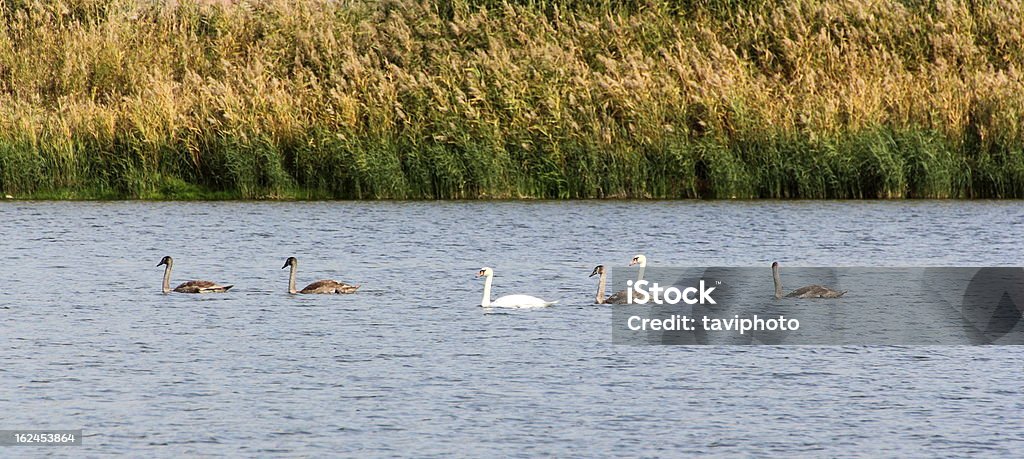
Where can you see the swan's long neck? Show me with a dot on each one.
(640, 274)
(166, 287)
(778, 282)
(486, 301)
(291, 278)
(600, 289)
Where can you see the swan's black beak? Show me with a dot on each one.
(597, 271)
(161, 263)
(285, 265)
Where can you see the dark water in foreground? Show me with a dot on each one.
(411, 365)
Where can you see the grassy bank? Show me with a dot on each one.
(545, 99)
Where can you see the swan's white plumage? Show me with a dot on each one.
(507, 301)
(520, 301)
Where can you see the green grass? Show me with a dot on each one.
(554, 99)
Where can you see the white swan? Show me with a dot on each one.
(641, 261)
(508, 301)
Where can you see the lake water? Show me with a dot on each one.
(411, 365)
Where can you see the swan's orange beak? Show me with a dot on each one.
(480, 274)
(633, 262)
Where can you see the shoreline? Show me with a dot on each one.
(91, 198)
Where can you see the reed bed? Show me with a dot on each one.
(462, 99)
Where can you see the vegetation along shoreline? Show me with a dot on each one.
(481, 99)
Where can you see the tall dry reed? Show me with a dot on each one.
(541, 98)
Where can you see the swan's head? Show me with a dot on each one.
(291, 261)
(599, 269)
(166, 261)
(638, 260)
(775, 266)
(484, 272)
